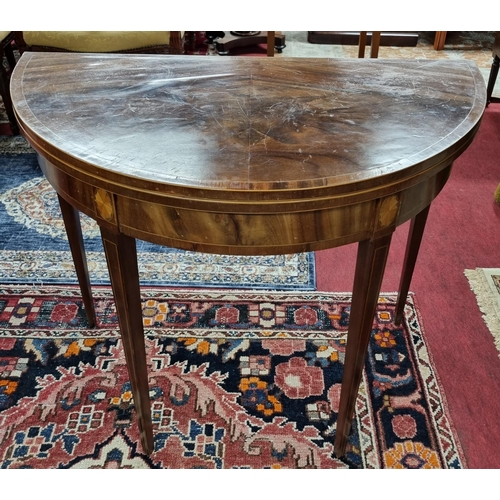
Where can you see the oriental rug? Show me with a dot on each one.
(238, 379)
(34, 246)
(485, 283)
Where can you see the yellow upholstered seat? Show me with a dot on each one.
(157, 42)
(104, 41)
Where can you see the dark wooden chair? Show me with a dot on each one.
(224, 43)
(7, 54)
(494, 68)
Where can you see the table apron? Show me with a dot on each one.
(246, 233)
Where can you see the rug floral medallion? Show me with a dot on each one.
(238, 379)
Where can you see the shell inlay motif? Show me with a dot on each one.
(388, 210)
(104, 204)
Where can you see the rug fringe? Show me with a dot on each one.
(479, 285)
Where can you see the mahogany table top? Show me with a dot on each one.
(246, 128)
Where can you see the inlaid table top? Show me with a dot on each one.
(238, 127)
(246, 156)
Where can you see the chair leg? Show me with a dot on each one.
(492, 79)
(176, 43)
(7, 101)
(362, 44)
(440, 40)
(271, 36)
(6, 49)
(375, 44)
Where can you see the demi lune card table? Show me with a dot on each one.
(243, 156)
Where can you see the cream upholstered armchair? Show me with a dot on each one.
(141, 42)
(159, 42)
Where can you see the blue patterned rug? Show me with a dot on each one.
(34, 247)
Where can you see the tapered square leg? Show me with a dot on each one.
(71, 218)
(370, 266)
(412, 247)
(121, 255)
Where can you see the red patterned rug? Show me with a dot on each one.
(238, 380)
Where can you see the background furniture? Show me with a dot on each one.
(439, 40)
(275, 41)
(210, 181)
(494, 68)
(166, 42)
(387, 38)
(497, 194)
(374, 40)
(491, 85)
(7, 55)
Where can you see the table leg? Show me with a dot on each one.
(121, 255)
(412, 247)
(370, 265)
(71, 218)
(492, 78)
